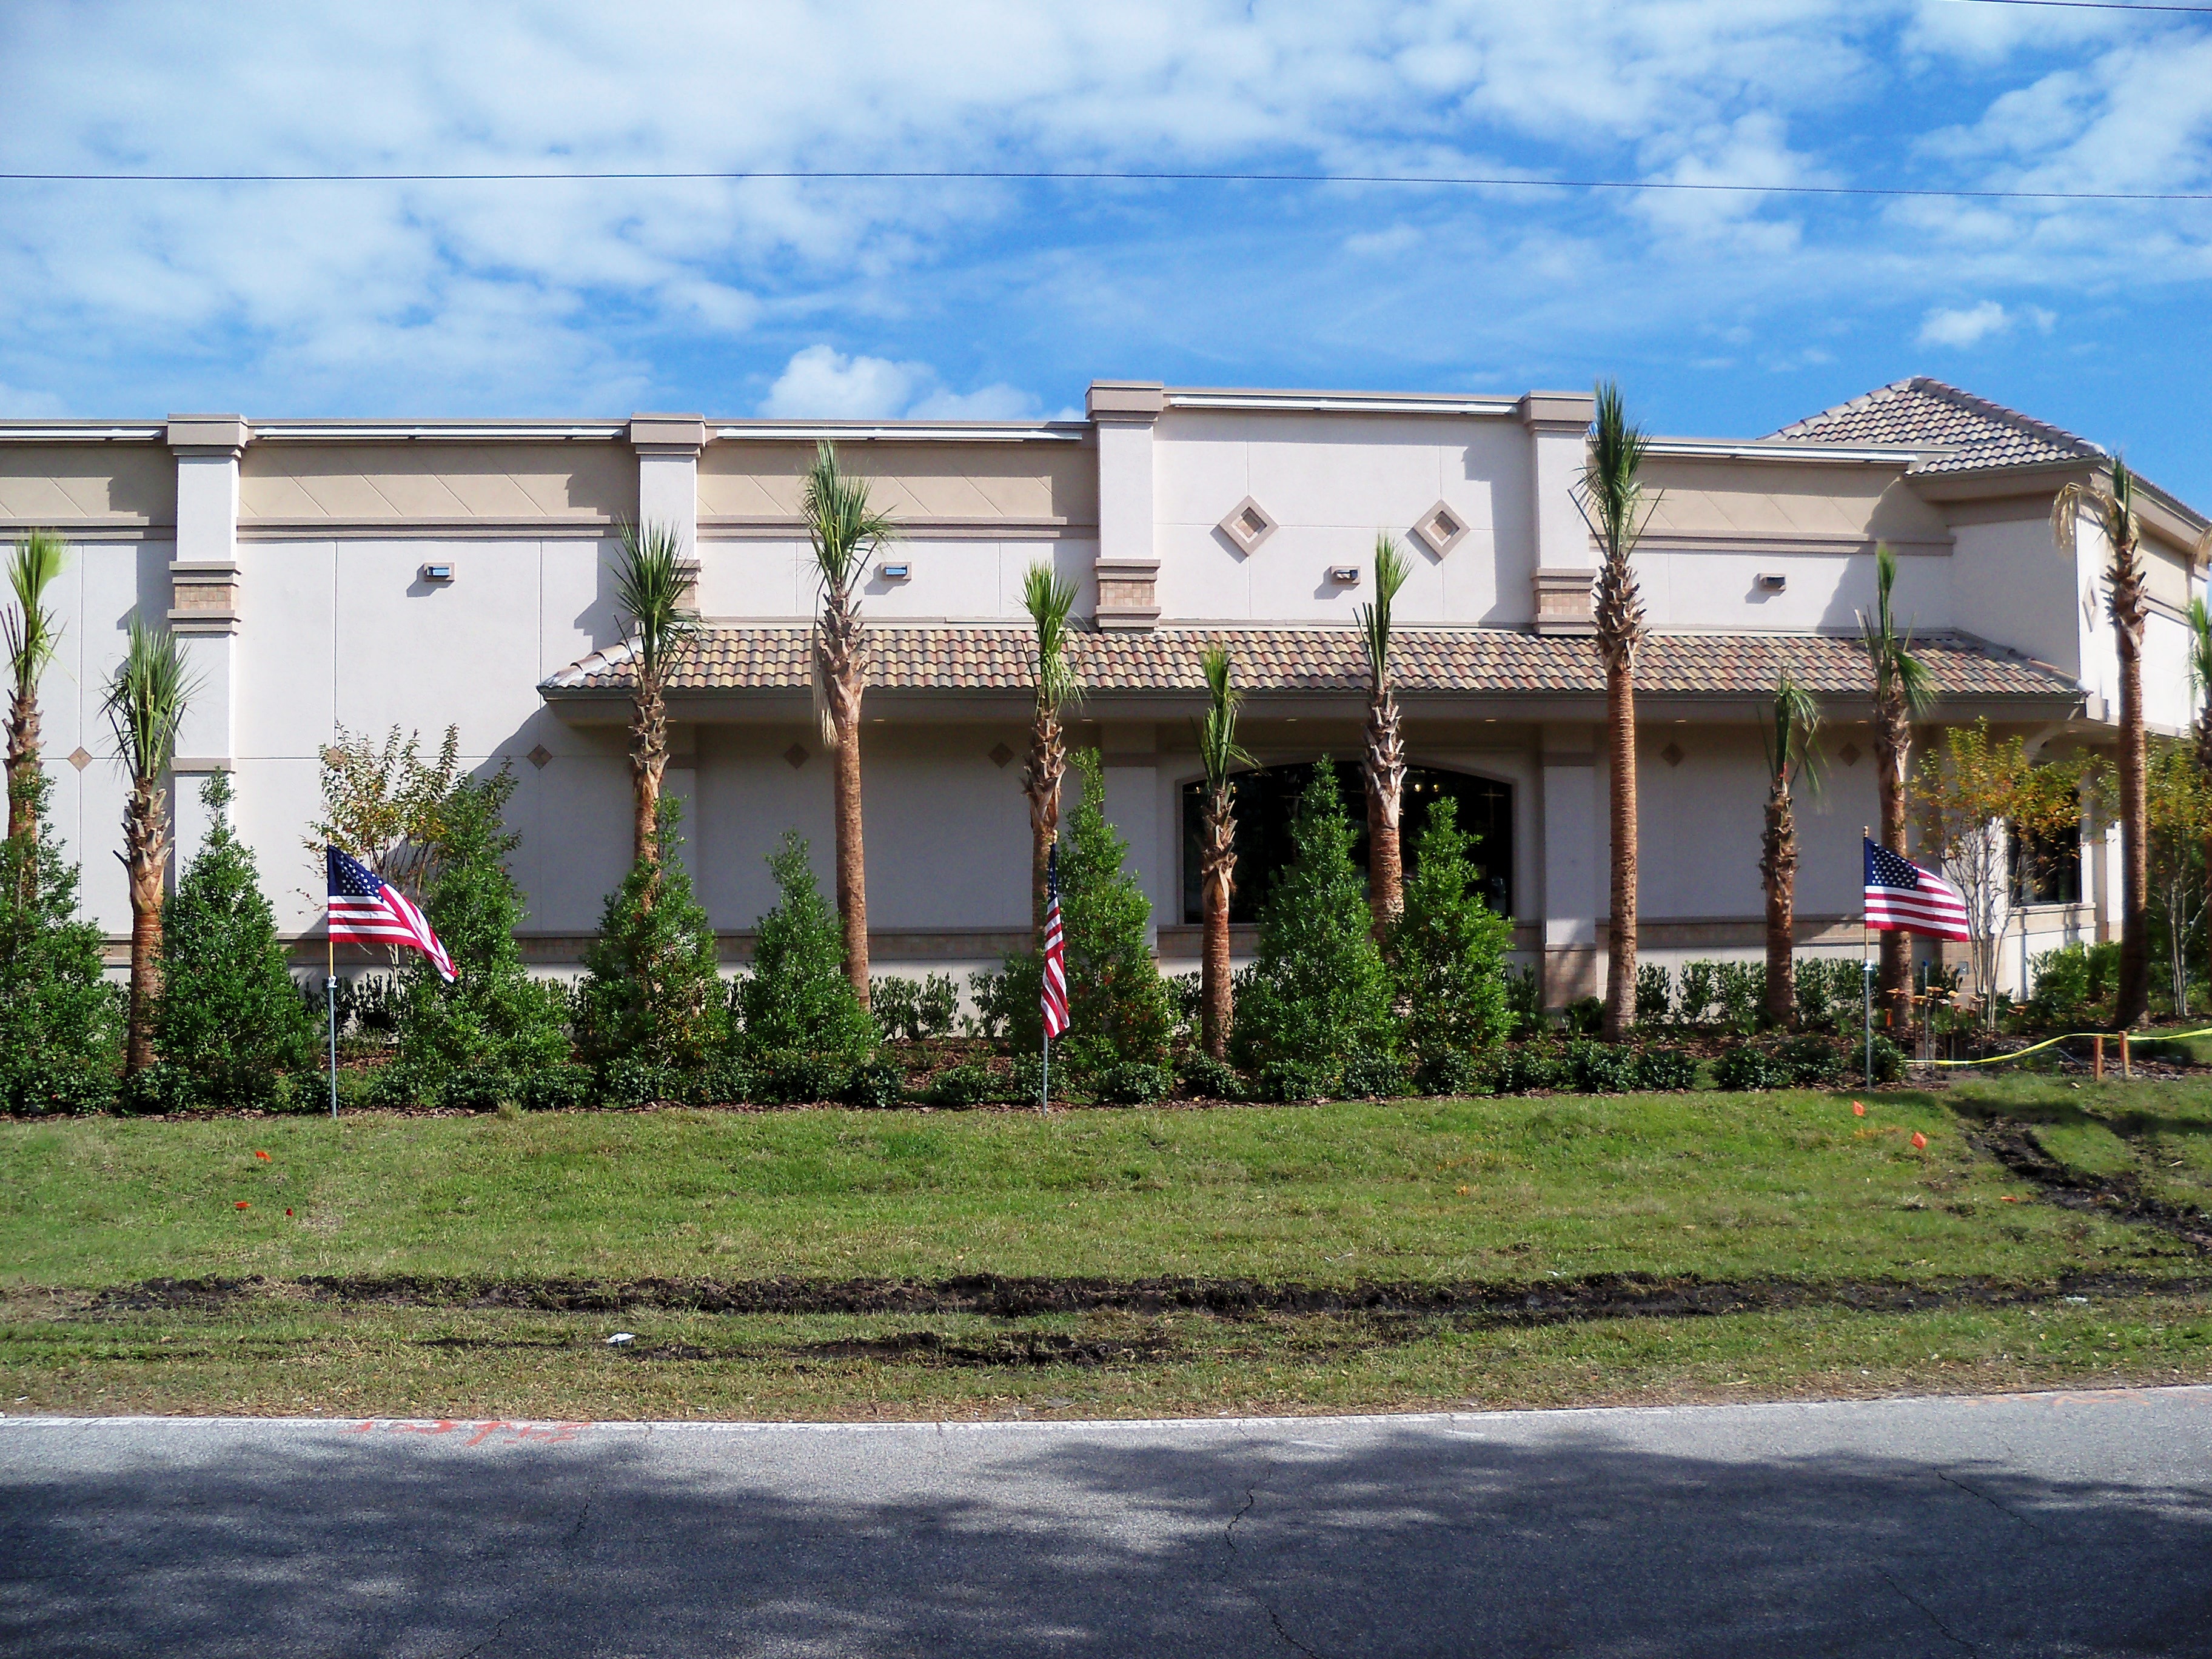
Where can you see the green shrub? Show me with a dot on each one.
(1701, 992)
(1319, 991)
(2062, 978)
(369, 1007)
(969, 1084)
(875, 1084)
(994, 998)
(161, 1088)
(1743, 994)
(1654, 994)
(627, 1080)
(896, 1005)
(392, 1088)
(61, 1024)
(1659, 1069)
(494, 1016)
(1747, 1066)
(1583, 1017)
(1118, 1008)
(1134, 1083)
(1814, 1062)
(1446, 949)
(229, 1019)
(1524, 1000)
(1022, 1081)
(1374, 1076)
(1450, 1072)
(477, 1089)
(2104, 968)
(1601, 1068)
(1205, 1077)
(797, 998)
(553, 1088)
(1288, 1080)
(1888, 1059)
(651, 992)
(792, 1079)
(1528, 1066)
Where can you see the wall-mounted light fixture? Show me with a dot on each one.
(1773, 582)
(1345, 575)
(436, 573)
(894, 572)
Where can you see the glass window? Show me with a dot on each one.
(2047, 869)
(1264, 801)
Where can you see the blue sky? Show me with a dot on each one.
(1727, 314)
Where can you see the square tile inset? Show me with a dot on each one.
(1247, 524)
(1441, 529)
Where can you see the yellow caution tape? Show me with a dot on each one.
(2022, 1053)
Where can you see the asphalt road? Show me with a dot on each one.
(2076, 1523)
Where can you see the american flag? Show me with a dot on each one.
(366, 907)
(1901, 895)
(1055, 953)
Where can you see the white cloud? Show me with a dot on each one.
(1964, 326)
(822, 383)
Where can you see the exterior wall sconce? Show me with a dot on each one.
(1345, 575)
(1770, 581)
(894, 572)
(436, 573)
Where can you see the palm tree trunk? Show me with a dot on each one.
(145, 858)
(22, 765)
(1386, 790)
(1040, 779)
(649, 762)
(2134, 999)
(1779, 868)
(1621, 951)
(1892, 749)
(1218, 865)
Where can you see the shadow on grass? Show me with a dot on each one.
(1563, 1538)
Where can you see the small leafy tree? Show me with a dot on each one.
(1119, 1006)
(493, 1017)
(652, 990)
(2177, 798)
(385, 805)
(229, 1021)
(1975, 794)
(1319, 990)
(797, 997)
(1446, 949)
(61, 1023)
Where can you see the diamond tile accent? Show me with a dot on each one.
(1441, 529)
(1849, 754)
(1247, 524)
(796, 755)
(1672, 754)
(539, 755)
(79, 758)
(333, 756)
(1000, 755)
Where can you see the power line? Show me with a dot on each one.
(986, 175)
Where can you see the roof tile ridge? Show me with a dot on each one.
(1978, 405)
(1864, 400)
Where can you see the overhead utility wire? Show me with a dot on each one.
(1092, 175)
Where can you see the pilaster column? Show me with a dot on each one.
(1130, 765)
(1559, 428)
(1574, 837)
(668, 448)
(204, 577)
(1128, 565)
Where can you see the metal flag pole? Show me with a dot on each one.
(1866, 970)
(1044, 1088)
(331, 999)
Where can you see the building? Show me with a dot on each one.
(360, 575)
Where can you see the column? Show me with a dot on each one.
(1129, 566)
(204, 578)
(1574, 846)
(1130, 761)
(668, 448)
(1565, 566)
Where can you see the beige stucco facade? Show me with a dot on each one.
(294, 559)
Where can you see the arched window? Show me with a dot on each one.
(1266, 796)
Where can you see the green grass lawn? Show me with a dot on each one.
(1727, 1187)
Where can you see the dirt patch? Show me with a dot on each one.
(2016, 1147)
(177, 1294)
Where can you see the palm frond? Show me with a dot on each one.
(1219, 751)
(146, 699)
(1050, 599)
(649, 582)
(2199, 619)
(841, 527)
(1610, 493)
(1794, 729)
(1889, 653)
(2114, 508)
(31, 631)
(1392, 570)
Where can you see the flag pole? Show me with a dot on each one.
(330, 1000)
(1866, 970)
(1044, 1088)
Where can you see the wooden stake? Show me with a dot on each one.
(2097, 1059)
(2126, 1069)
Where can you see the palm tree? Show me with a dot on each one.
(1612, 504)
(649, 583)
(1384, 764)
(1790, 756)
(2200, 683)
(1902, 692)
(1048, 600)
(32, 632)
(2128, 605)
(844, 530)
(144, 705)
(1219, 752)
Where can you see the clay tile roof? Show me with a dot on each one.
(979, 657)
(1922, 413)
